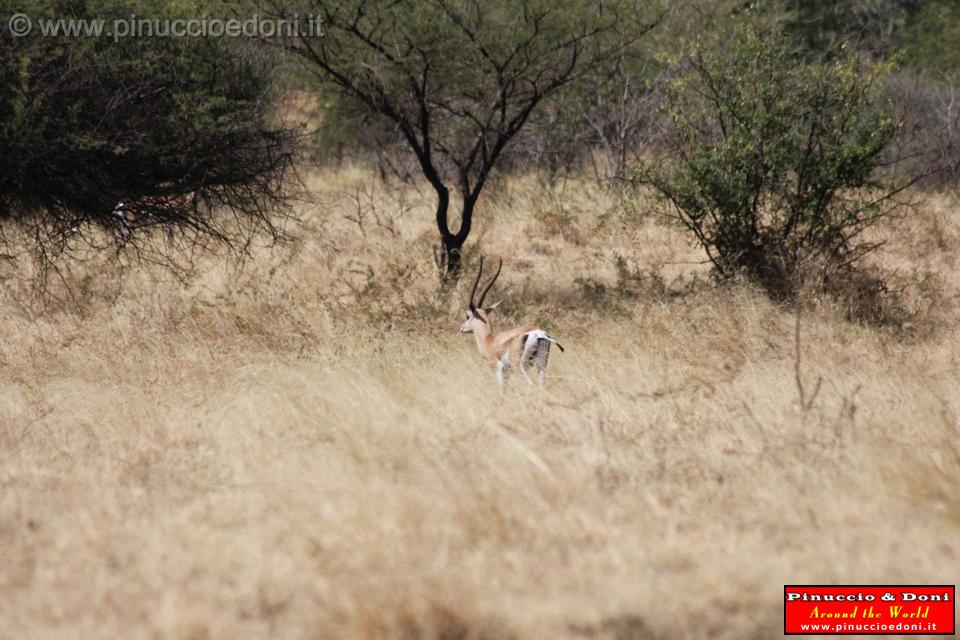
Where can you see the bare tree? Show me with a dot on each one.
(458, 79)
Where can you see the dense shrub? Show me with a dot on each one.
(776, 165)
(175, 128)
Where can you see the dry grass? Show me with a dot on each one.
(308, 449)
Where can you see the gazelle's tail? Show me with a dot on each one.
(562, 350)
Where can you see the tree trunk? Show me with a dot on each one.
(448, 255)
(449, 264)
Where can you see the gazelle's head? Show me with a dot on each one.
(477, 315)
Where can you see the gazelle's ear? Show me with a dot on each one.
(493, 306)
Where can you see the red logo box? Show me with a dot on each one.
(853, 609)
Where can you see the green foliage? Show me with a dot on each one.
(774, 163)
(826, 27)
(932, 38)
(921, 35)
(482, 66)
(478, 49)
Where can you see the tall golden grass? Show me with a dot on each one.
(307, 448)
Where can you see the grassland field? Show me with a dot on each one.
(303, 445)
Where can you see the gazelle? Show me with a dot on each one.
(521, 347)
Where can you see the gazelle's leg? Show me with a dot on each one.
(523, 370)
(542, 365)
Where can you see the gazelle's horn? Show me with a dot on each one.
(495, 276)
(473, 291)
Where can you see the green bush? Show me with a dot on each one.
(776, 166)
